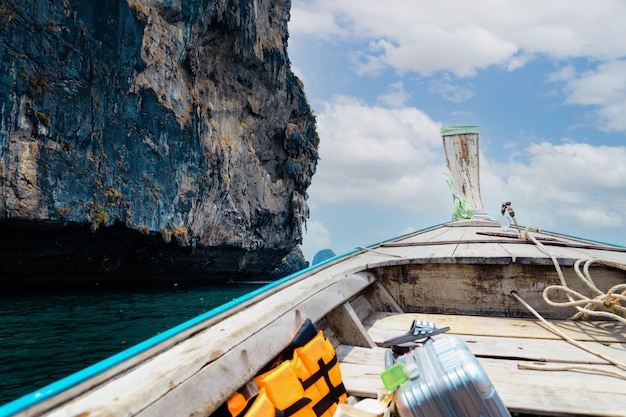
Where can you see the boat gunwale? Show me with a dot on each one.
(510, 241)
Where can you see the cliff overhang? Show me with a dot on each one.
(170, 138)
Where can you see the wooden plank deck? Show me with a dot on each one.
(501, 344)
(466, 241)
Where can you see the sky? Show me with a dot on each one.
(544, 81)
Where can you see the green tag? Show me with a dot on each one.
(393, 376)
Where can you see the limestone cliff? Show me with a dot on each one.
(150, 139)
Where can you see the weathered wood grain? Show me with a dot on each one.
(347, 326)
(384, 325)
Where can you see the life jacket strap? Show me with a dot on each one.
(297, 406)
(334, 393)
(329, 399)
(259, 406)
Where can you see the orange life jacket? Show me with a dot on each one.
(307, 385)
(258, 406)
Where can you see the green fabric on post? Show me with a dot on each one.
(462, 210)
(459, 130)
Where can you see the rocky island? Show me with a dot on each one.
(149, 140)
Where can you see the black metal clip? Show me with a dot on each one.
(419, 332)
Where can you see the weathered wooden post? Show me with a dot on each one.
(461, 147)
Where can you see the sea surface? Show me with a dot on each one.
(47, 336)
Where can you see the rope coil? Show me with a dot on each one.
(586, 306)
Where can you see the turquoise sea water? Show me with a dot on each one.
(47, 336)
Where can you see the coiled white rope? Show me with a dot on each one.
(586, 306)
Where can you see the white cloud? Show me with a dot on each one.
(519, 60)
(604, 85)
(462, 37)
(449, 90)
(395, 96)
(388, 158)
(564, 74)
(392, 161)
(461, 50)
(374, 155)
(319, 22)
(563, 187)
(380, 173)
(603, 88)
(593, 217)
